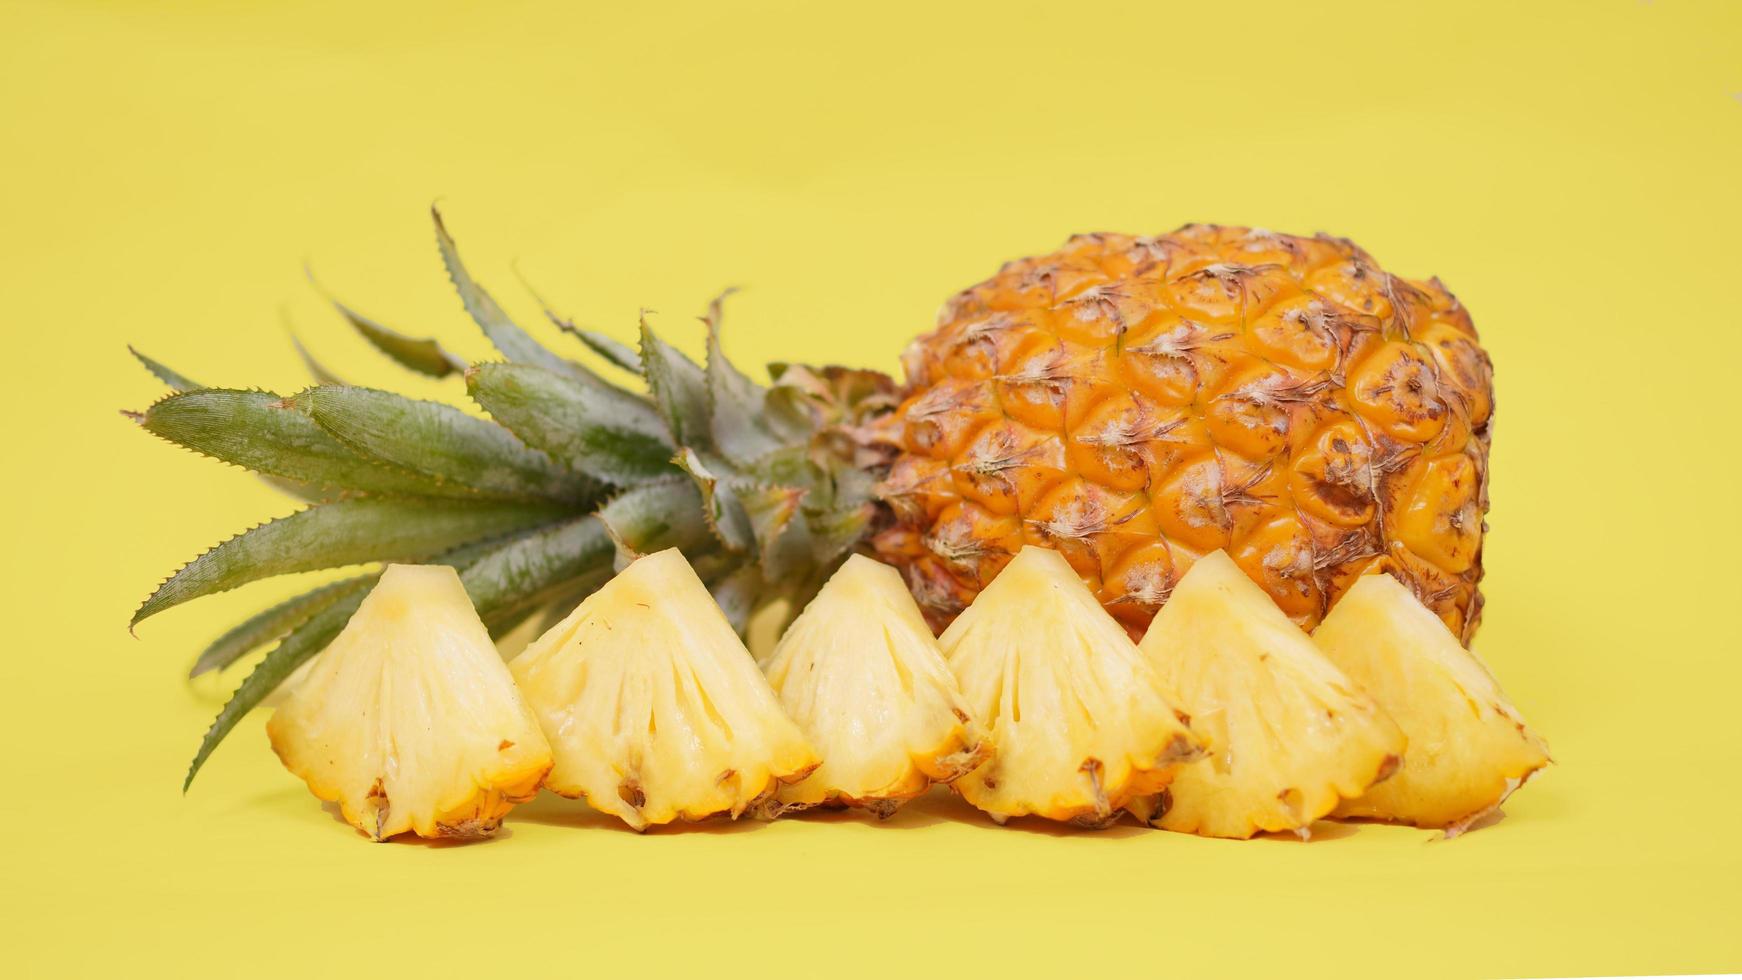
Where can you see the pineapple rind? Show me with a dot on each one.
(1082, 725)
(861, 674)
(1289, 736)
(654, 709)
(1469, 747)
(409, 720)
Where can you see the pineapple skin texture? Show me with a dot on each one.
(1136, 403)
(862, 675)
(1468, 746)
(1289, 737)
(409, 720)
(1083, 727)
(654, 709)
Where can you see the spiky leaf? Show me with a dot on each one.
(160, 371)
(260, 431)
(441, 442)
(834, 532)
(344, 532)
(613, 437)
(678, 389)
(321, 372)
(533, 569)
(611, 349)
(780, 537)
(300, 644)
(737, 416)
(614, 351)
(653, 517)
(420, 354)
(270, 624)
(514, 343)
(720, 505)
(737, 595)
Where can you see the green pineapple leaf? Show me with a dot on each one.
(300, 644)
(514, 343)
(441, 442)
(678, 389)
(521, 576)
(653, 517)
(322, 374)
(273, 623)
(720, 505)
(834, 532)
(420, 354)
(344, 532)
(547, 560)
(736, 405)
(780, 537)
(179, 382)
(614, 351)
(263, 432)
(611, 349)
(609, 434)
(737, 595)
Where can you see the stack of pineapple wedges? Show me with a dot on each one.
(1075, 446)
(1225, 721)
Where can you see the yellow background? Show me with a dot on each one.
(1574, 172)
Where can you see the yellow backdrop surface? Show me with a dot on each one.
(1573, 171)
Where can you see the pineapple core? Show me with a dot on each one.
(1081, 723)
(409, 720)
(654, 709)
(1289, 736)
(1468, 747)
(861, 674)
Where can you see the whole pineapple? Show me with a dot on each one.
(1133, 403)
(1136, 403)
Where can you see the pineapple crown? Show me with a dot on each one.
(764, 488)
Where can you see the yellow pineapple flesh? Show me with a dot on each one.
(654, 709)
(1288, 735)
(409, 720)
(1081, 723)
(862, 675)
(1468, 746)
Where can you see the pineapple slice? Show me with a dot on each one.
(1289, 736)
(861, 673)
(654, 709)
(1468, 747)
(409, 720)
(1081, 723)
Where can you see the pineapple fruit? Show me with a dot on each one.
(1082, 725)
(1289, 736)
(409, 720)
(862, 675)
(1136, 402)
(1132, 403)
(654, 709)
(1468, 747)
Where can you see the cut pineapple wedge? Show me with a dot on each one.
(1468, 747)
(1289, 735)
(409, 720)
(654, 709)
(861, 674)
(1081, 723)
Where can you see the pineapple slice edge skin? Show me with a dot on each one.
(1470, 747)
(409, 720)
(862, 675)
(1290, 737)
(1082, 727)
(654, 709)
